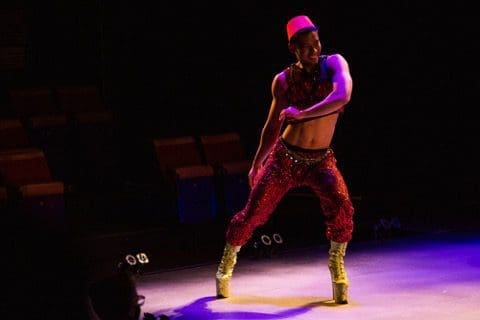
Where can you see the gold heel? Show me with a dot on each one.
(340, 293)
(337, 272)
(223, 287)
(225, 270)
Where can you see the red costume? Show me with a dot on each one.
(289, 167)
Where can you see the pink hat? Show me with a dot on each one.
(299, 23)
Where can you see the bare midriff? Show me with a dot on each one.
(313, 134)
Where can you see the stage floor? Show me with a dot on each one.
(427, 276)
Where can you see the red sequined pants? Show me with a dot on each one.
(291, 167)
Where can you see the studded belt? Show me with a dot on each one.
(299, 158)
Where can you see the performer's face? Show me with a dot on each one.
(307, 48)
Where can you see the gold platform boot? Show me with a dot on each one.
(337, 272)
(225, 270)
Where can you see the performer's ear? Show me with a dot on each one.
(291, 47)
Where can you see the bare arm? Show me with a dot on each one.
(339, 97)
(272, 126)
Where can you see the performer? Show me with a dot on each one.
(307, 98)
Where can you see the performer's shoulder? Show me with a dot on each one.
(281, 76)
(332, 57)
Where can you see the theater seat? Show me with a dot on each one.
(187, 178)
(38, 199)
(226, 153)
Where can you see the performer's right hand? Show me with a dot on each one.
(290, 115)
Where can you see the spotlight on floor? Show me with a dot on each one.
(142, 258)
(262, 247)
(266, 240)
(277, 238)
(133, 263)
(130, 260)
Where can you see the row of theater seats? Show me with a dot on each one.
(41, 107)
(74, 142)
(204, 178)
(52, 140)
(70, 100)
(70, 124)
(207, 175)
(35, 197)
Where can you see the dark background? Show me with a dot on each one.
(406, 143)
(407, 140)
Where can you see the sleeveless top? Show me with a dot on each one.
(305, 89)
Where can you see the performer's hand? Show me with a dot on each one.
(290, 114)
